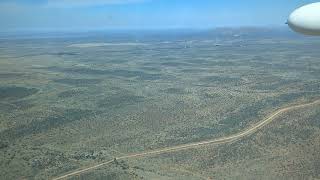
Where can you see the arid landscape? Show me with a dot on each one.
(71, 101)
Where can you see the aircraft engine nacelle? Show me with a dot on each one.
(306, 19)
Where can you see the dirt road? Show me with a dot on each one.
(221, 140)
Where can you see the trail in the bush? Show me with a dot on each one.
(222, 140)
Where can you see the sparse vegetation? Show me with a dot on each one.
(65, 107)
(78, 82)
(7, 93)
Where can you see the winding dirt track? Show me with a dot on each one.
(221, 140)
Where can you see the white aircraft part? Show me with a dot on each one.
(306, 19)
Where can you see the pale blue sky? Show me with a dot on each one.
(142, 14)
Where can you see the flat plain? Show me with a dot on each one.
(69, 101)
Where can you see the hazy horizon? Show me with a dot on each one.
(84, 15)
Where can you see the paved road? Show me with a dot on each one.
(251, 130)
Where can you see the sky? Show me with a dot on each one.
(142, 14)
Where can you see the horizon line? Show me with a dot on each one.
(80, 30)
